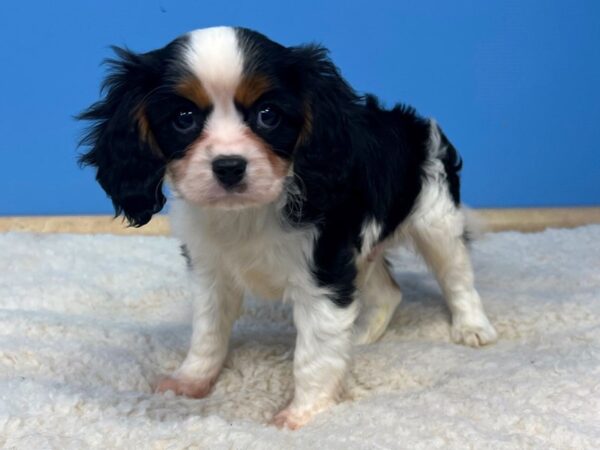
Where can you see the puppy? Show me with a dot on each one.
(288, 184)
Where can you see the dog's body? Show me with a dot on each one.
(286, 184)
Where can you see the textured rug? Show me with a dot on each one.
(88, 323)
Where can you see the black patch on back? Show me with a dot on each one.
(392, 166)
(378, 178)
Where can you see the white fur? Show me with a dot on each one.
(437, 227)
(379, 296)
(378, 293)
(369, 234)
(214, 56)
(322, 350)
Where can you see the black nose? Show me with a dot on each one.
(229, 170)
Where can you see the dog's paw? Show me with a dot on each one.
(186, 387)
(291, 419)
(295, 416)
(473, 333)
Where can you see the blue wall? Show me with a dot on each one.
(514, 84)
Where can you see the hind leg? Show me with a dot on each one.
(379, 296)
(437, 230)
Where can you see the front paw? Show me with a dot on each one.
(183, 386)
(473, 333)
(296, 416)
(288, 418)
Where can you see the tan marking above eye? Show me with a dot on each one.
(193, 90)
(250, 89)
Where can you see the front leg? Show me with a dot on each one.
(216, 306)
(324, 314)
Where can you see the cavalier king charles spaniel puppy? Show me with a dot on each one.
(288, 184)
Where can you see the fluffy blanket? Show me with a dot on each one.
(88, 323)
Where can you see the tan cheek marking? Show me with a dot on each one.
(251, 89)
(279, 165)
(193, 90)
(177, 168)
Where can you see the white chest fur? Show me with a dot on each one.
(261, 254)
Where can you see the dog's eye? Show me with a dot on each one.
(185, 121)
(268, 117)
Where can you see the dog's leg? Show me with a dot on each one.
(437, 231)
(379, 296)
(322, 354)
(217, 305)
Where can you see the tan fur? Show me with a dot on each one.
(279, 165)
(192, 89)
(250, 89)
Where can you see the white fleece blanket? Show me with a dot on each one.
(87, 324)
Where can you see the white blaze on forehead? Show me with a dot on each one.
(214, 56)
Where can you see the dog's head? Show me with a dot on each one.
(223, 112)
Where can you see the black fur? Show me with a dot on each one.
(452, 165)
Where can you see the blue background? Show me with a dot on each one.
(515, 84)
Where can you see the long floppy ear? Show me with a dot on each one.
(322, 159)
(329, 99)
(128, 168)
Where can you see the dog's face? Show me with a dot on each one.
(233, 119)
(221, 111)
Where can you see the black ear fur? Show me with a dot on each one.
(331, 100)
(128, 170)
(323, 159)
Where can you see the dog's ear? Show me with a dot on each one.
(129, 169)
(329, 100)
(322, 158)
